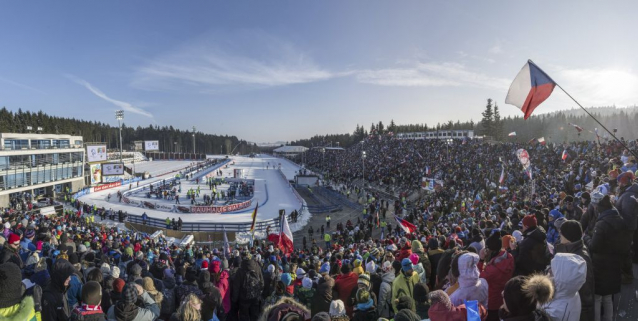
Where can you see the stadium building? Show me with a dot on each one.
(35, 165)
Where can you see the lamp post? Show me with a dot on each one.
(193, 139)
(119, 115)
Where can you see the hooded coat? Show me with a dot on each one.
(497, 272)
(570, 273)
(403, 285)
(471, 287)
(608, 247)
(343, 286)
(385, 295)
(222, 285)
(586, 292)
(552, 233)
(628, 207)
(55, 306)
(23, 311)
(532, 254)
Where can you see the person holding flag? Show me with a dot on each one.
(252, 225)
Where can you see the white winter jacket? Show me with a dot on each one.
(570, 272)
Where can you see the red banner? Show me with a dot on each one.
(107, 186)
(220, 209)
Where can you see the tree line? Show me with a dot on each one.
(553, 127)
(170, 139)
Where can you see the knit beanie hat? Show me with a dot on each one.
(118, 285)
(414, 258)
(405, 302)
(364, 279)
(300, 273)
(571, 230)
(91, 293)
(115, 272)
(30, 233)
(363, 296)
(306, 283)
(387, 267)
(286, 279)
(136, 270)
(337, 309)
(522, 294)
(106, 269)
(129, 293)
(371, 267)
(493, 242)
(406, 265)
(530, 220)
(215, 267)
(14, 239)
(10, 285)
(325, 268)
(321, 316)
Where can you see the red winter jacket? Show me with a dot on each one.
(405, 252)
(497, 272)
(439, 312)
(344, 284)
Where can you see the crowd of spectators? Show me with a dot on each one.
(555, 248)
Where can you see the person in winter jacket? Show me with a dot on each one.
(219, 278)
(90, 309)
(323, 295)
(405, 249)
(532, 255)
(363, 282)
(523, 295)
(248, 307)
(280, 292)
(421, 300)
(337, 311)
(404, 283)
(285, 309)
(571, 241)
(365, 309)
(55, 306)
(608, 246)
(384, 303)
(149, 287)
(496, 267)
(418, 267)
(126, 309)
(189, 286)
(628, 209)
(13, 307)
(442, 309)
(189, 309)
(569, 273)
(11, 251)
(424, 260)
(553, 236)
(358, 269)
(434, 254)
(344, 283)
(471, 287)
(305, 293)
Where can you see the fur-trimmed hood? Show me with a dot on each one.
(22, 312)
(282, 307)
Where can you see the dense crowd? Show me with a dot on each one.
(558, 250)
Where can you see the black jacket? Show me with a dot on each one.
(586, 292)
(628, 207)
(55, 306)
(323, 295)
(532, 255)
(245, 267)
(608, 246)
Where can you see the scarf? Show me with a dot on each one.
(365, 306)
(87, 307)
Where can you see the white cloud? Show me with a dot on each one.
(432, 75)
(122, 104)
(209, 63)
(21, 85)
(496, 49)
(600, 87)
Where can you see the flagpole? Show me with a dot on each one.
(590, 115)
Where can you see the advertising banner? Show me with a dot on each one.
(220, 209)
(96, 153)
(112, 169)
(151, 145)
(96, 173)
(106, 186)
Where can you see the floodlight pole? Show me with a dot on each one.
(119, 115)
(193, 139)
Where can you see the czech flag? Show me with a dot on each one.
(529, 89)
(564, 156)
(405, 225)
(283, 240)
(427, 170)
(542, 141)
(511, 134)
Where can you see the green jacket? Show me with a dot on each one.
(23, 311)
(403, 286)
(304, 296)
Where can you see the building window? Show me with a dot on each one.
(41, 143)
(14, 144)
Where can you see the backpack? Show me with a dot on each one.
(252, 285)
(168, 303)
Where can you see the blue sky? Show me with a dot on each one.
(283, 70)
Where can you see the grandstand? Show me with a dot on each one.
(438, 134)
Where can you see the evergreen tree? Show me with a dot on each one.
(487, 122)
(498, 125)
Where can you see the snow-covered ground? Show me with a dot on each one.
(272, 191)
(156, 168)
